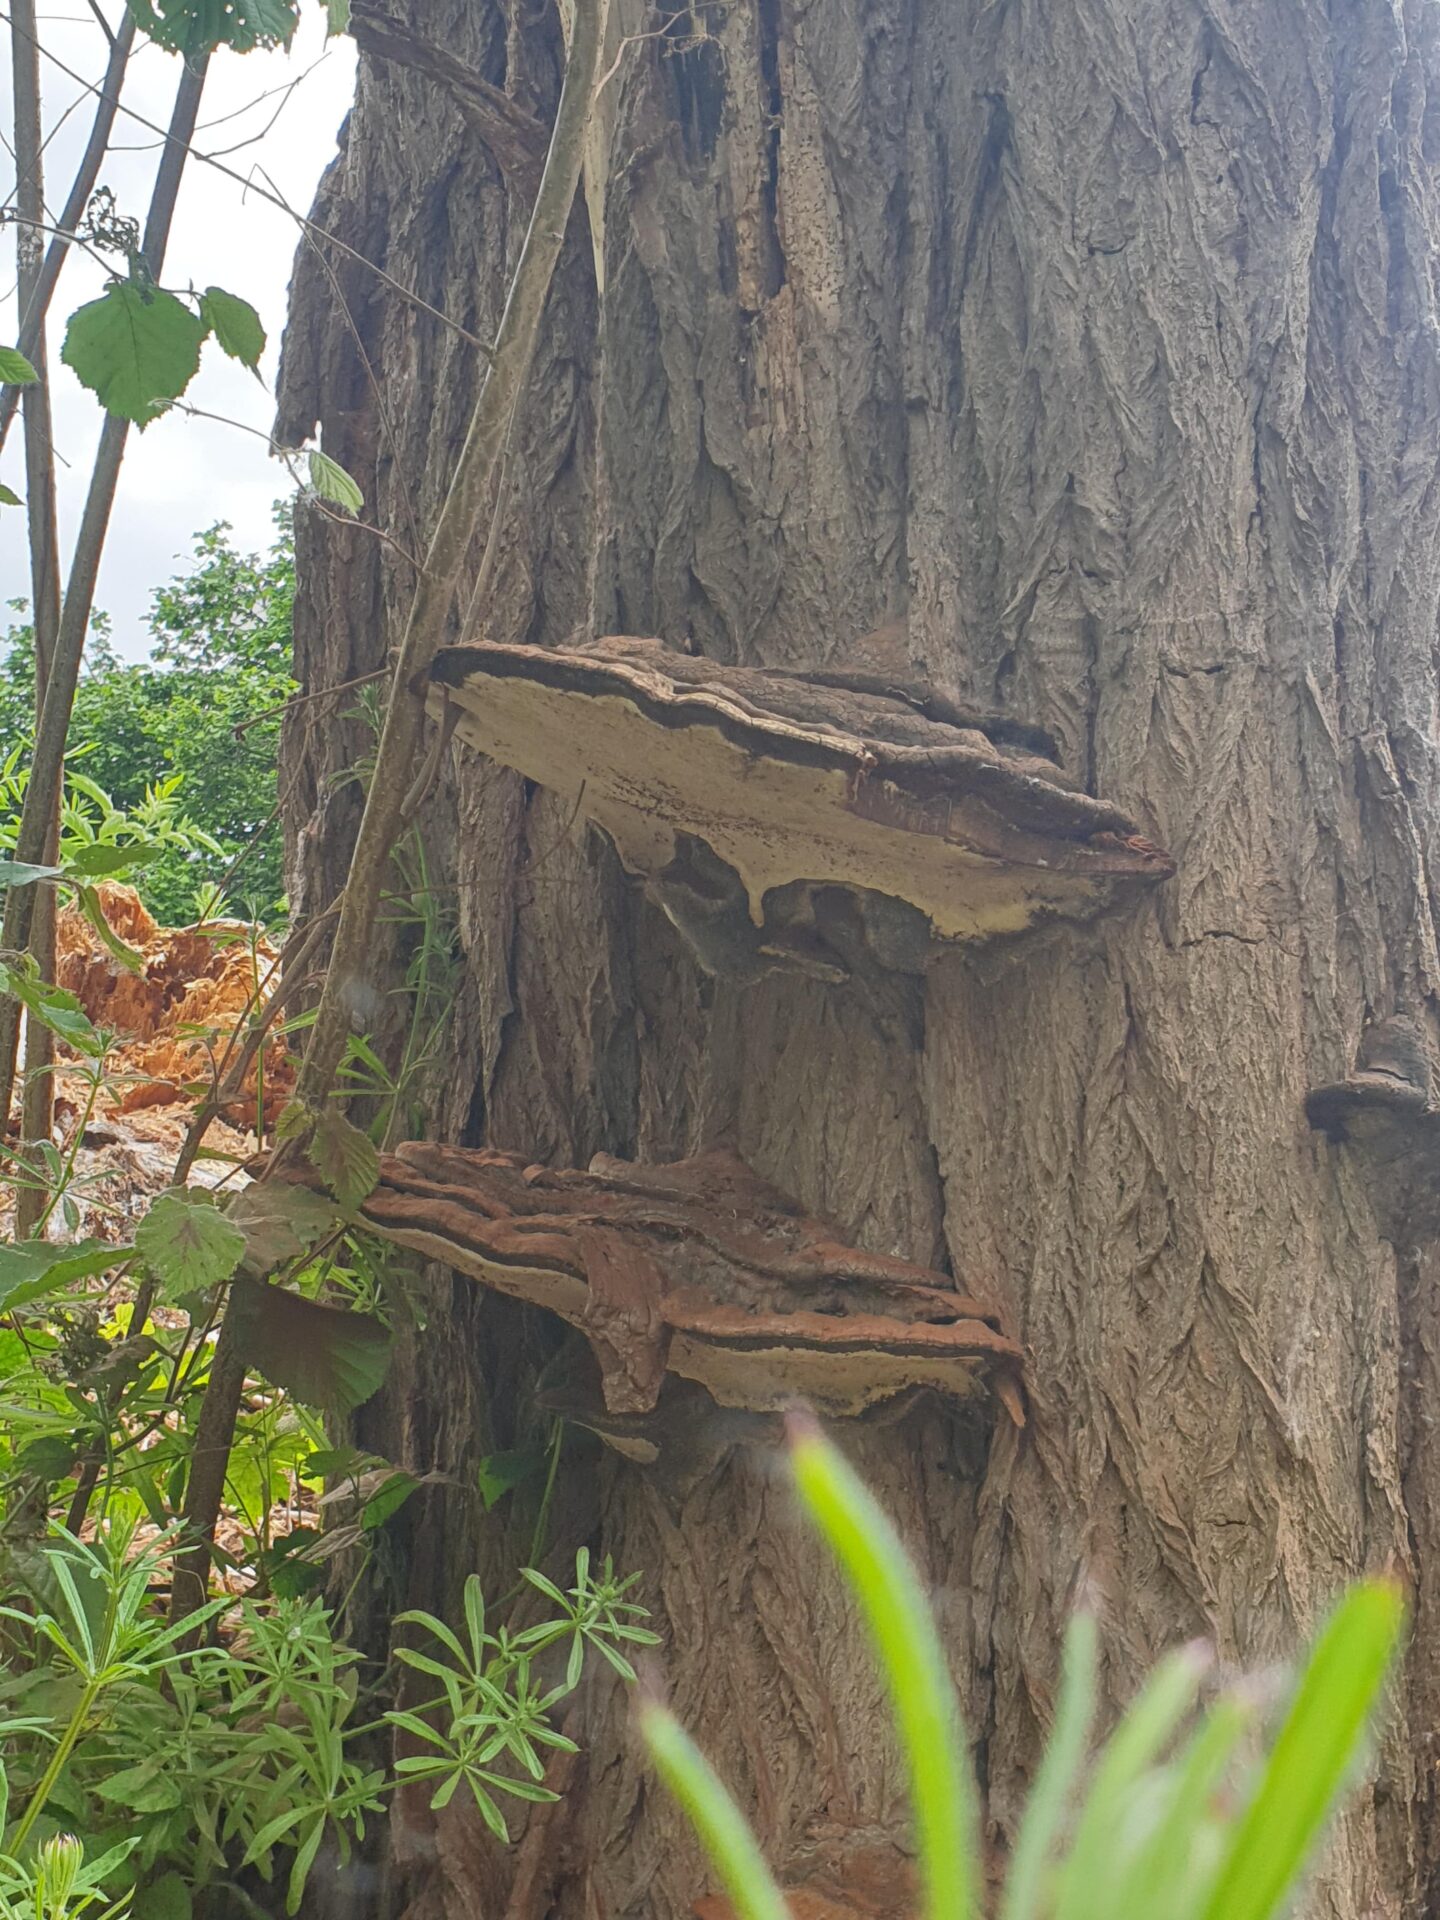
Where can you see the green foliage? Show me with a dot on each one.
(493, 1708)
(330, 480)
(235, 325)
(1188, 1813)
(187, 1244)
(326, 1356)
(137, 348)
(194, 27)
(158, 761)
(15, 369)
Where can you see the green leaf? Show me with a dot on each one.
(337, 17)
(392, 1493)
(49, 1458)
(196, 27)
(330, 480)
(281, 1223)
(499, 1473)
(29, 1269)
(1311, 1754)
(921, 1690)
(94, 912)
(167, 1898)
(325, 1356)
(15, 369)
(345, 1156)
(54, 1007)
(718, 1821)
(98, 859)
(187, 1243)
(1046, 1807)
(9, 497)
(141, 1789)
(235, 325)
(19, 873)
(135, 349)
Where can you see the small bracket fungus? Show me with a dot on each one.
(697, 1270)
(1387, 1113)
(799, 821)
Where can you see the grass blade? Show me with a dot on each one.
(1135, 1744)
(921, 1691)
(1315, 1746)
(716, 1818)
(1064, 1753)
(1160, 1880)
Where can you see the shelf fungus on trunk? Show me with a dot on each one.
(1386, 1111)
(806, 821)
(696, 1271)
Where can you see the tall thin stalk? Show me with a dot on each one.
(42, 794)
(37, 1111)
(34, 305)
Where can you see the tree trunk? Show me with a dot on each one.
(1098, 346)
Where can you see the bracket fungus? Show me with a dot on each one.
(794, 820)
(1386, 1111)
(697, 1270)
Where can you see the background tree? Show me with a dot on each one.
(209, 712)
(1099, 351)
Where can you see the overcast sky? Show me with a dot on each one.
(181, 474)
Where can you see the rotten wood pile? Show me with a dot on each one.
(696, 1271)
(802, 820)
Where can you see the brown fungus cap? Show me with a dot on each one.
(696, 1270)
(797, 785)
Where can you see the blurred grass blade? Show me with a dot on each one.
(1307, 1764)
(716, 1818)
(1134, 1746)
(1161, 1878)
(1049, 1798)
(921, 1690)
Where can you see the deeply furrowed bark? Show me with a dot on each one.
(1100, 343)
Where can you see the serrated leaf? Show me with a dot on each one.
(325, 1356)
(15, 369)
(98, 860)
(135, 350)
(9, 497)
(293, 1122)
(187, 1243)
(337, 17)
(330, 480)
(196, 27)
(31, 1268)
(235, 324)
(346, 1157)
(280, 1224)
